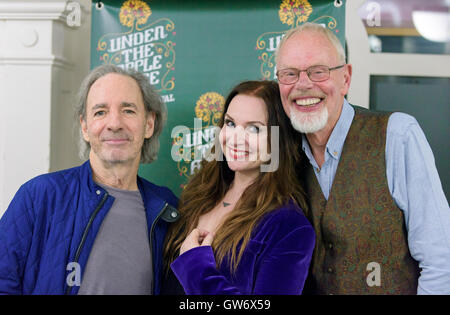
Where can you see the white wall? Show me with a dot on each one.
(42, 62)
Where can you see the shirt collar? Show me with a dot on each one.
(337, 138)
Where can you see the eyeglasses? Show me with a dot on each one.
(315, 74)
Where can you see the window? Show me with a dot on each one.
(407, 26)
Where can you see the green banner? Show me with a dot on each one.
(194, 52)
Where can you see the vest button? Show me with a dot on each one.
(330, 270)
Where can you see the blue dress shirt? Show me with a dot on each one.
(415, 186)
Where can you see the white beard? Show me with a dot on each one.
(309, 122)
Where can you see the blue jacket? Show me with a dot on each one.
(52, 223)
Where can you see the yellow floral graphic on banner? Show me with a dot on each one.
(294, 12)
(196, 143)
(134, 10)
(209, 107)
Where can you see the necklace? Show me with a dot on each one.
(225, 204)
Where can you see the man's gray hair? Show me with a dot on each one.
(318, 28)
(152, 103)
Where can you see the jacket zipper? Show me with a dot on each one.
(151, 243)
(85, 233)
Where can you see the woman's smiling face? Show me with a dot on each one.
(244, 135)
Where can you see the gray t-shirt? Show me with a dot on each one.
(120, 261)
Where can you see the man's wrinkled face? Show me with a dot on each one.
(312, 106)
(116, 123)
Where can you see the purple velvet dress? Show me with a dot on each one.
(275, 261)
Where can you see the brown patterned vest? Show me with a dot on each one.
(360, 223)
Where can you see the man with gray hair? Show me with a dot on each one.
(375, 199)
(97, 228)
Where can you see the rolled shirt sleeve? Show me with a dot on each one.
(416, 188)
